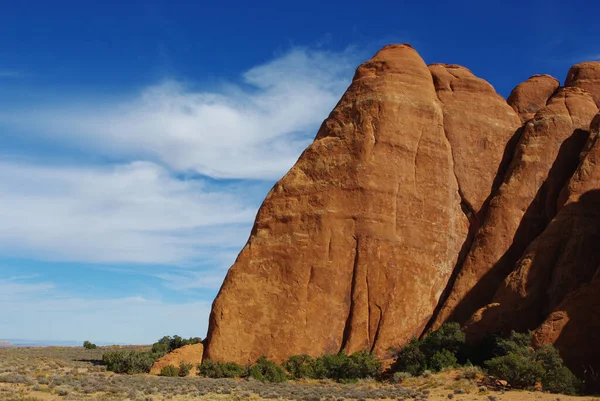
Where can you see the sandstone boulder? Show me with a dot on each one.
(531, 95)
(188, 354)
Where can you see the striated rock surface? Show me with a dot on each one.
(423, 199)
(546, 156)
(353, 247)
(586, 76)
(478, 124)
(530, 96)
(564, 257)
(188, 354)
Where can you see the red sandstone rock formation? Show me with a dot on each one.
(546, 155)
(586, 76)
(339, 258)
(530, 96)
(423, 200)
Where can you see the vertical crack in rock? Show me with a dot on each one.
(376, 336)
(348, 325)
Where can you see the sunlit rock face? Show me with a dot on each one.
(424, 198)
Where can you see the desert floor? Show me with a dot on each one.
(65, 373)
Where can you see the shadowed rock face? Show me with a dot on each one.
(546, 155)
(422, 200)
(543, 291)
(530, 96)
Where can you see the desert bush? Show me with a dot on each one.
(343, 367)
(168, 343)
(441, 360)
(130, 362)
(89, 345)
(522, 366)
(221, 370)
(184, 369)
(170, 371)
(300, 367)
(437, 351)
(410, 359)
(266, 370)
(448, 337)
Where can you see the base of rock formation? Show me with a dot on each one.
(187, 354)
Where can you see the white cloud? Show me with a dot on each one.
(33, 312)
(255, 130)
(135, 212)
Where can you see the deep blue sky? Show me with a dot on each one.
(138, 138)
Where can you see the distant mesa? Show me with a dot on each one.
(6, 344)
(426, 197)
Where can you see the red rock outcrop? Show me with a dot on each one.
(564, 257)
(423, 200)
(530, 96)
(338, 258)
(573, 328)
(478, 124)
(546, 155)
(187, 354)
(586, 76)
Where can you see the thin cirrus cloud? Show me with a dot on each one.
(135, 212)
(29, 307)
(252, 130)
(141, 210)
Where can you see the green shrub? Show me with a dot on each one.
(410, 359)
(437, 351)
(89, 345)
(342, 367)
(522, 366)
(168, 344)
(441, 360)
(130, 362)
(221, 370)
(300, 367)
(170, 371)
(448, 337)
(184, 369)
(267, 371)
(558, 378)
(520, 370)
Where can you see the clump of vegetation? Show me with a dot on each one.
(89, 345)
(168, 343)
(437, 351)
(345, 368)
(170, 371)
(522, 366)
(185, 368)
(266, 370)
(300, 367)
(221, 370)
(130, 362)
